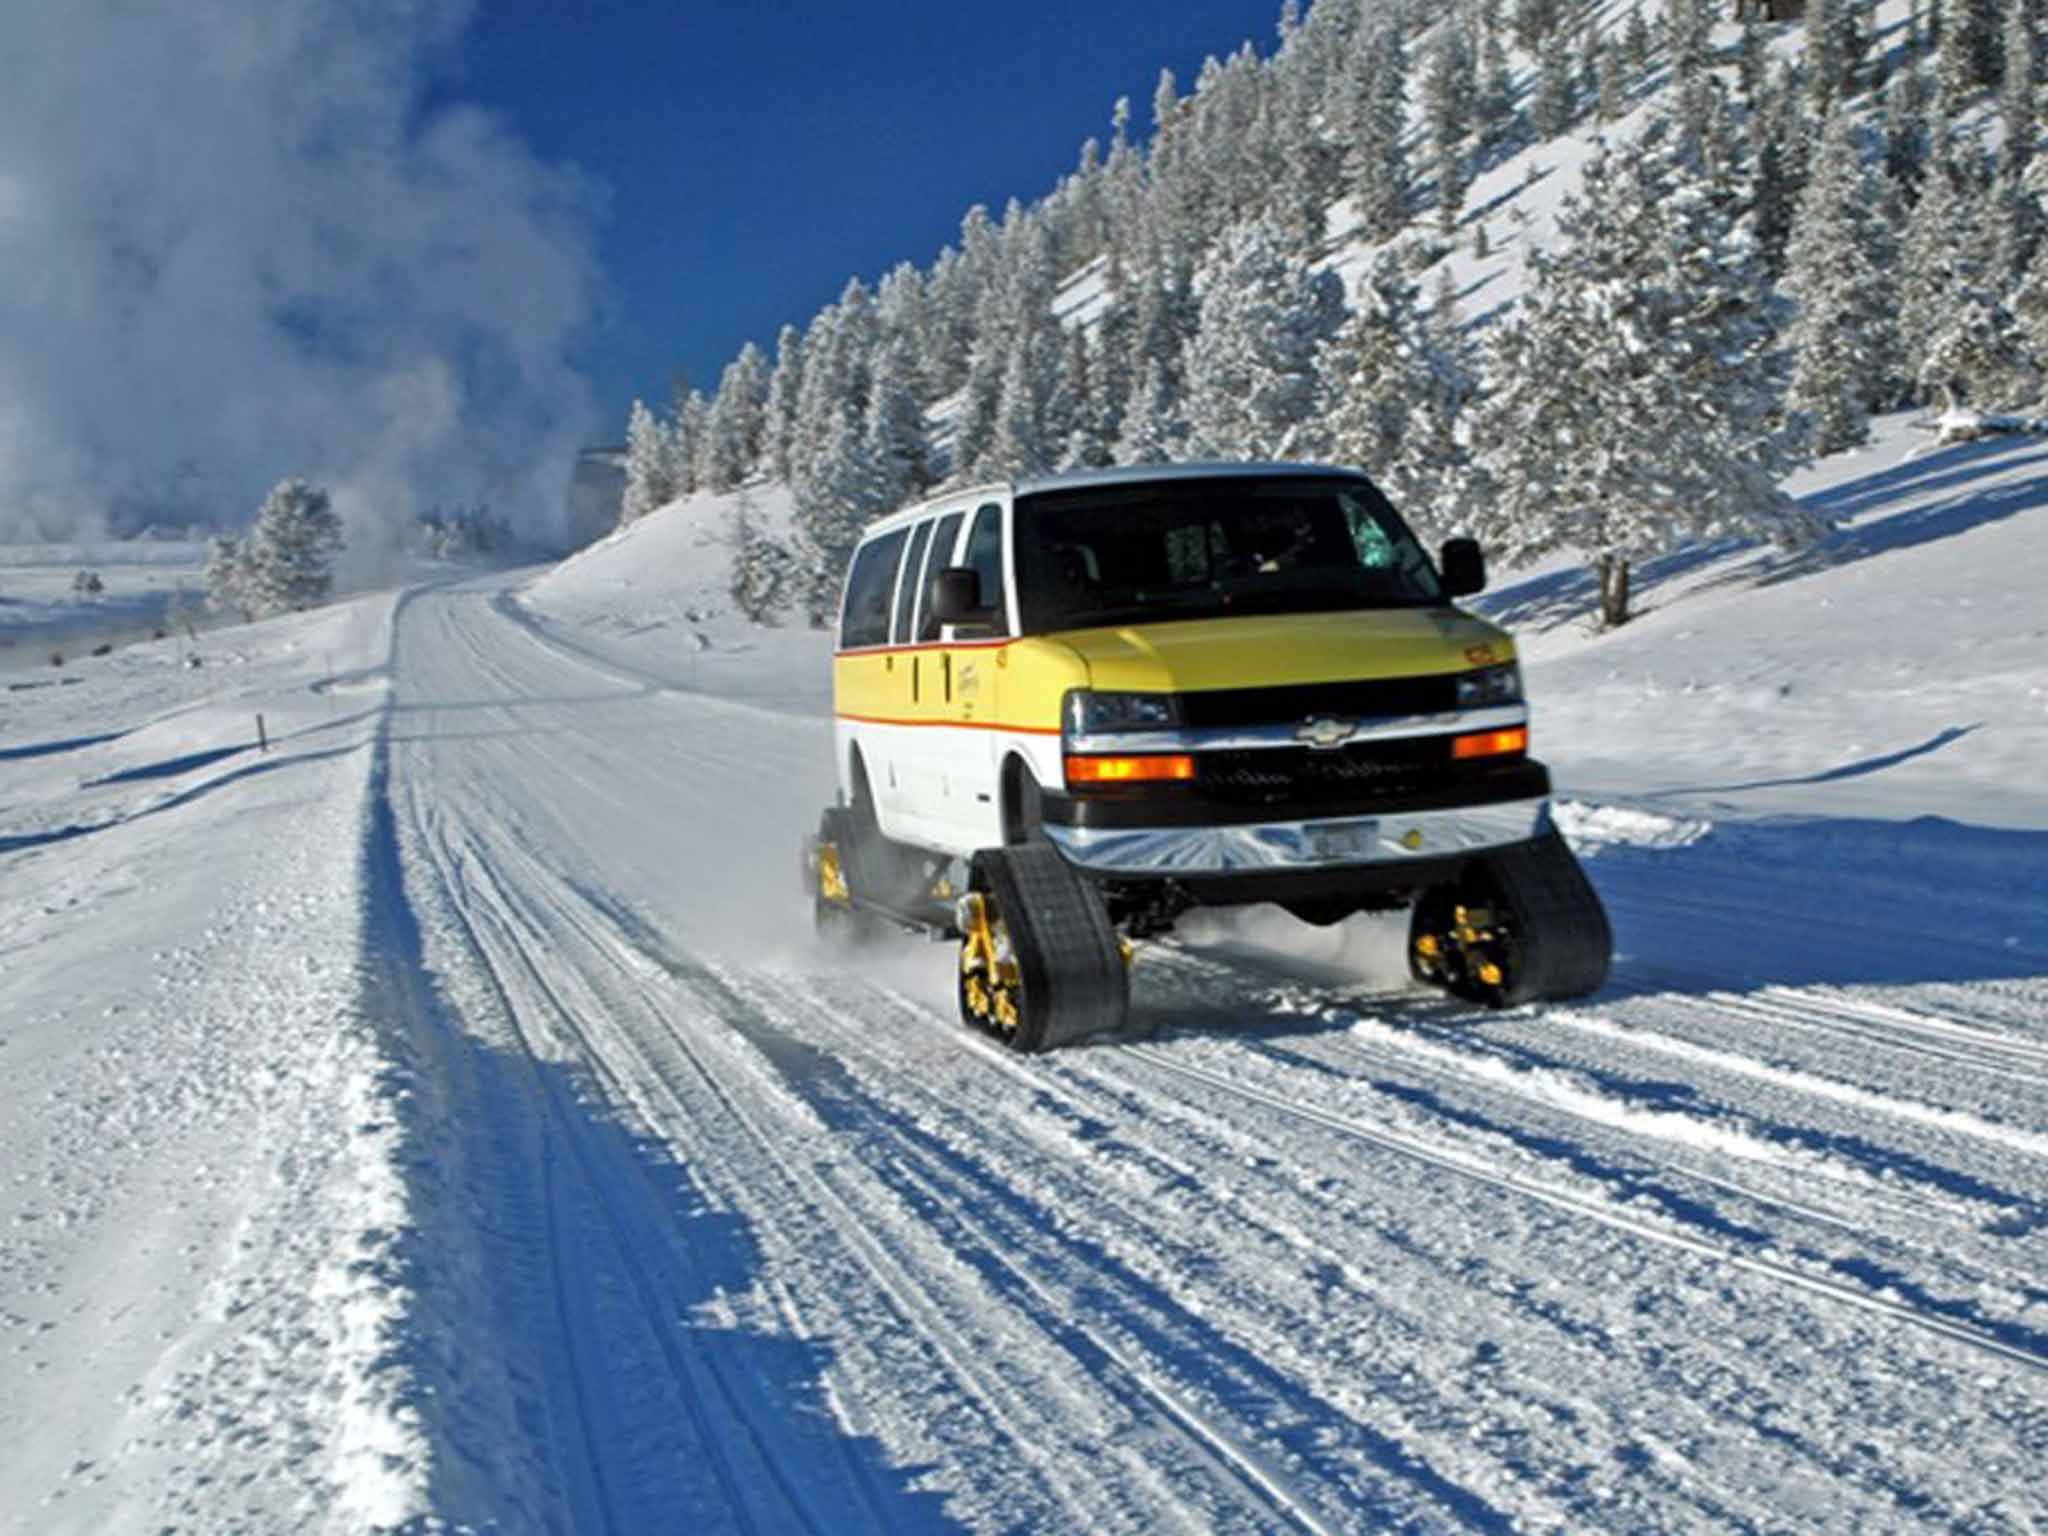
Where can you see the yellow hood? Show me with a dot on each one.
(1275, 650)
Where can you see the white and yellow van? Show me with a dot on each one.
(1070, 709)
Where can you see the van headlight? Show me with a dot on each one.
(1091, 713)
(1490, 685)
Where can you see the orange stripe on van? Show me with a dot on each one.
(958, 725)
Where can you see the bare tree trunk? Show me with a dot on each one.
(1613, 571)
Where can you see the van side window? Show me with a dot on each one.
(984, 557)
(941, 556)
(906, 590)
(869, 585)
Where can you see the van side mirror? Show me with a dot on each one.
(1464, 567)
(956, 596)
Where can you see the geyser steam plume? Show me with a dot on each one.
(234, 246)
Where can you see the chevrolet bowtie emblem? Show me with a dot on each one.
(1325, 731)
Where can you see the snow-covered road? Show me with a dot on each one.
(716, 1233)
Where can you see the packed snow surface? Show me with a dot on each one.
(431, 1112)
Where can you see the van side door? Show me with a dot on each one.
(972, 674)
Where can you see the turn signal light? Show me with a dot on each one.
(1149, 768)
(1491, 743)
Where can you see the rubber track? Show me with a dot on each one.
(1566, 940)
(1075, 983)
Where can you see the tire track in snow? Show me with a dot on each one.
(2011, 1343)
(1208, 1443)
(915, 1147)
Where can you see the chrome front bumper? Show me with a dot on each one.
(1361, 841)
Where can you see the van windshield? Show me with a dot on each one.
(1203, 549)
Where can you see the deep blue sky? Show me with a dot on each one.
(758, 156)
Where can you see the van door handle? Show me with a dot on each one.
(913, 679)
(946, 668)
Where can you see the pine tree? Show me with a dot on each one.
(1956, 61)
(839, 493)
(1844, 342)
(1253, 390)
(223, 576)
(688, 443)
(1905, 132)
(1612, 97)
(1632, 407)
(2019, 96)
(897, 441)
(1752, 65)
(1152, 430)
(1930, 268)
(1535, 21)
(762, 568)
(779, 424)
(650, 473)
(1398, 384)
(287, 561)
(1449, 86)
(1550, 113)
(1824, 62)
(1496, 105)
(1377, 167)
(1635, 46)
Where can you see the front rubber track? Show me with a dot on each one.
(1074, 982)
(1564, 940)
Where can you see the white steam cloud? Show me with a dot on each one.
(233, 248)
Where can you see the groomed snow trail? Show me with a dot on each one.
(736, 1235)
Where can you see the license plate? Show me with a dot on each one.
(1344, 839)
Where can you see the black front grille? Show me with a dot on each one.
(1296, 703)
(1307, 776)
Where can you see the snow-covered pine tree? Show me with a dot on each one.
(1371, 378)
(1612, 99)
(2019, 97)
(898, 442)
(1252, 386)
(2029, 302)
(1535, 22)
(732, 424)
(1449, 88)
(1636, 46)
(1956, 60)
(759, 578)
(1630, 410)
(779, 425)
(687, 439)
(1376, 169)
(287, 560)
(1752, 64)
(839, 492)
(223, 576)
(1979, 23)
(1151, 426)
(1931, 267)
(1905, 132)
(1550, 111)
(650, 472)
(1778, 169)
(1824, 62)
(1310, 165)
(1844, 341)
(1976, 356)
(1495, 109)
(1689, 27)
(1079, 408)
